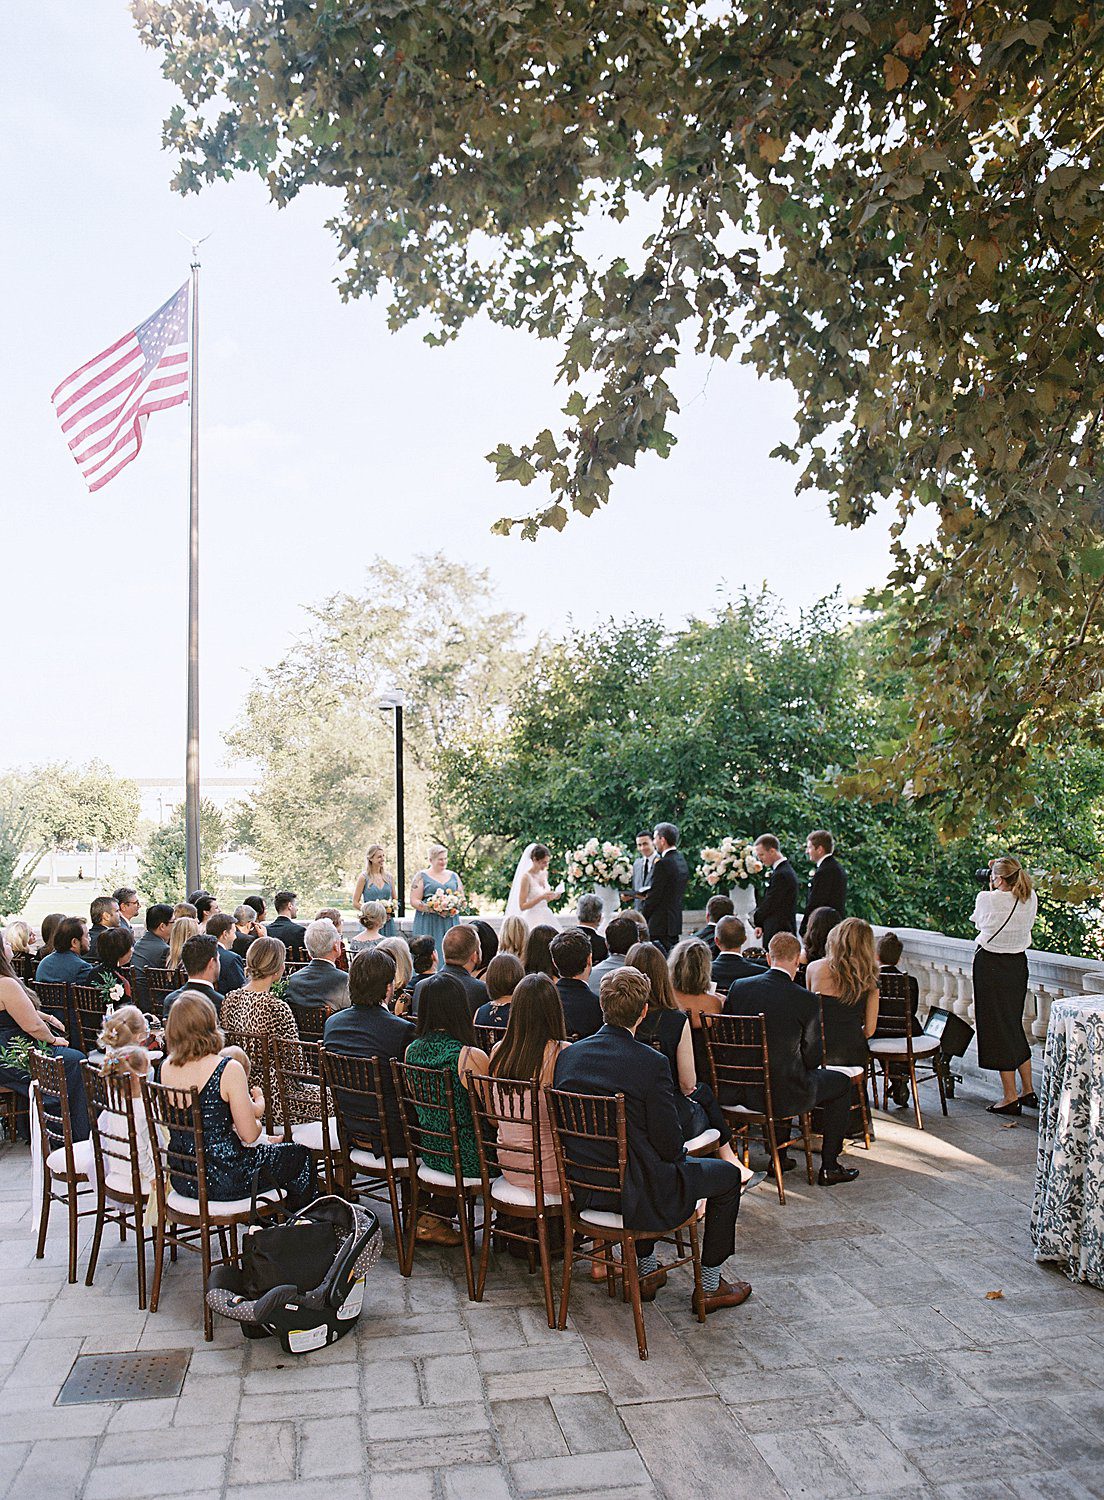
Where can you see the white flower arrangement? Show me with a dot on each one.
(600, 861)
(732, 862)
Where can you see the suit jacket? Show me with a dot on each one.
(663, 904)
(598, 949)
(371, 1031)
(660, 1185)
(320, 983)
(828, 887)
(231, 970)
(607, 966)
(777, 909)
(582, 1013)
(476, 991)
(794, 1050)
(202, 989)
(95, 932)
(728, 967)
(241, 943)
(641, 877)
(149, 951)
(291, 934)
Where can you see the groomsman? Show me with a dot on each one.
(777, 909)
(828, 886)
(642, 868)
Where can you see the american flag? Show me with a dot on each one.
(104, 406)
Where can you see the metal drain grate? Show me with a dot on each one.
(125, 1377)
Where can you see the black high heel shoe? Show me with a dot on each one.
(1013, 1107)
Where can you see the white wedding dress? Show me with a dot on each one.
(540, 915)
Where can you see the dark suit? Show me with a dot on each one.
(201, 989)
(150, 951)
(828, 887)
(662, 1184)
(231, 970)
(95, 932)
(662, 906)
(582, 1013)
(372, 1031)
(241, 943)
(728, 967)
(794, 1054)
(476, 991)
(320, 983)
(598, 949)
(291, 934)
(777, 909)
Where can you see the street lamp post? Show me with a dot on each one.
(393, 702)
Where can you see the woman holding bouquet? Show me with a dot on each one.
(376, 884)
(429, 921)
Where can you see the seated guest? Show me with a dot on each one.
(232, 1112)
(126, 899)
(399, 949)
(260, 911)
(715, 908)
(366, 1028)
(290, 932)
(373, 919)
(488, 944)
(254, 1007)
(423, 956)
(794, 1054)
(504, 974)
(621, 933)
(890, 949)
(445, 1040)
(125, 1041)
(331, 914)
(815, 937)
(512, 936)
(104, 914)
(571, 957)
(231, 965)
(152, 948)
(460, 945)
(21, 1025)
(185, 909)
(534, 1040)
(729, 937)
(67, 964)
(181, 930)
(538, 950)
(589, 911)
(246, 929)
(662, 1184)
(112, 966)
(690, 967)
(21, 940)
(49, 927)
(200, 962)
(846, 980)
(321, 982)
(206, 907)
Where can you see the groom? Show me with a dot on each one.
(662, 905)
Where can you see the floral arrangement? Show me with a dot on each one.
(600, 862)
(449, 904)
(14, 1054)
(731, 863)
(392, 908)
(112, 991)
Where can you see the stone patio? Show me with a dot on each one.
(868, 1362)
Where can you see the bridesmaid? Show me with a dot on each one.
(435, 877)
(375, 884)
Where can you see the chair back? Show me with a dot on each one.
(297, 1066)
(427, 1108)
(111, 1113)
(257, 1046)
(343, 959)
(52, 996)
(514, 1102)
(311, 1021)
(24, 966)
(355, 1090)
(295, 957)
(89, 1009)
(736, 1047)
(488, 1037)
(175, 1123)
(52, 1106)
(588, 1132)
(162, 982)
(894, 1006)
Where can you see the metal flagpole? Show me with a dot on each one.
(191, 760)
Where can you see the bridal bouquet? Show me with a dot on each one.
(392, 908)
(733, 862)
(601, 862)
(448, 904)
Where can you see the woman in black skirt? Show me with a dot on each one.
(1004, 916)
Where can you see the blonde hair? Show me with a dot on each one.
(1007, 868)
(853, 959)
(18, 934)
(691, 967)
(179, 933)
(191, 1029)
(373, 849)
(118, 1039)
(512, 937)
(434, 850)
(330, 914)
(785, 947)
(184, 909)
(399, 950)
(265, 959)
(373, 914)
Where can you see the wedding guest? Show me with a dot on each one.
(445, 1040)
(68, 963)
(126, 899)
(715, 908)
(366, 1028)
(423, 957)
(125, 1042)
(1004, 916)
(642, 869)
(815, 937)
(373, 920)
(846, 980)
(535, 1037)
(21, 1025)
(504, 974)
(104, 913)
(570, 953)
(730, 963)
(461, 947)
(289, 932)
(260, 910)
(662, 905)
(152, 948)
(232, 1113)
(488, 943)
(512, 937)
(435, 877)
(49, 927)
(321, 982)
(589, 911)
(692, 982)
(112, 966)
(890, 949)
(22, 942)
(538, 951)
(231, 974)
(246, 929)
(185, 909)
(828, 887)
(206, 907)
(181, 930)
(331, 914)
(777, 907)
(402, 958)
(199, 958)
(254, 1008)
(664, 1184)
(376, 883)
(621, 933)
(795, 1054)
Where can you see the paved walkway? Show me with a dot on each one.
(869, 1362)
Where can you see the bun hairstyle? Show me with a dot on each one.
(121, 1038)
(1019, 881)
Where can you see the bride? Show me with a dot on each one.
(530, 892)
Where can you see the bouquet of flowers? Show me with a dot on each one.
(731, 863)
(392, 908)
(448, 904)
(112, 992)
(598, 862)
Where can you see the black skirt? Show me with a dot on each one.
(1000, 989)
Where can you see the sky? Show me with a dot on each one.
(325, 440)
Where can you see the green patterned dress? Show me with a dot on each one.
(440, 1051)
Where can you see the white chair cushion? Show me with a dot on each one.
(444, 1179)
(742, 1109)
(848, 1072)
(309, 1134)
(372, 1163)
(708, 1137)
(217, 1208)
(509, 1192)
(122, 1182)
(897, 1046)
(601, 1219)
(84, 1159)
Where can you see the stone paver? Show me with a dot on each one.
(868, 1363)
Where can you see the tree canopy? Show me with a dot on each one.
(72, 807)
(896, 207)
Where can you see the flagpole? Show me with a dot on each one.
(191, 759)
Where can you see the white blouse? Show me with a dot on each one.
(1003, 923)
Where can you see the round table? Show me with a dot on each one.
(1067, 1218)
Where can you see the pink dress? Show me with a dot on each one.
(518, 1168)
